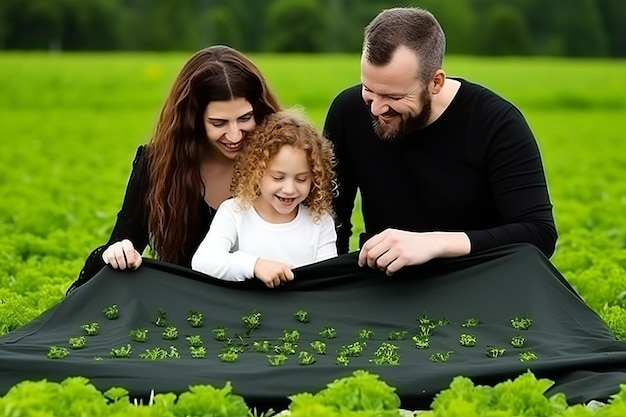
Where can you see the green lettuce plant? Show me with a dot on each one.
(91, 329)
(161, 318)
(57, 352)
(494, 352)
(361, 392)
(111, 312)
(77, 342)
(195, 318)
(318, 347)
(170, 333)
(364, 334)
(252, 321)
(121, 351)
(302, 316)
(277, 360)
(262, 346)
(421, 341)
(139, 335)
(290, 336)
(440, 356)
(328, 332)
(471, 322)
(521, 322)
(194, 340)
(305, 358)
(386, 354)
(518, 341)
(467, 340)
(197, 352)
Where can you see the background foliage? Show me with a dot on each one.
(487, 27)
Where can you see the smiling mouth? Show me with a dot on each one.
(286, 200)
(233, 146)
(388, 116)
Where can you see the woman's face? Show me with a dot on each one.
(227, 124)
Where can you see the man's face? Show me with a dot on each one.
(398, 102)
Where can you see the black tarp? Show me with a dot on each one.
(574, 346)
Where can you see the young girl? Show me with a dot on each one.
(281, 215)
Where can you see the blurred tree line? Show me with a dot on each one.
(485, 27)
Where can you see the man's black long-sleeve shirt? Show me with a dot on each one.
(476, 169)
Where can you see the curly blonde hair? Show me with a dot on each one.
(287, 127)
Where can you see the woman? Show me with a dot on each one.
(184, 173)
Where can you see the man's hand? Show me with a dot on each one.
(394, 249)
(122, 255)
(272, 273)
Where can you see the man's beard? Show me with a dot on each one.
(389, 133)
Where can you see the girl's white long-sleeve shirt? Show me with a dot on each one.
(238, 237)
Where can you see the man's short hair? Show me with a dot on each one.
(413, 27)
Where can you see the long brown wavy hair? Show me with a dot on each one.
(287, 127)
(216, 73)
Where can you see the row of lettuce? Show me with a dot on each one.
(361, 394)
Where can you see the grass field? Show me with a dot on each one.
(70, 123)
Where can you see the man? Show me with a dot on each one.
(444, 167)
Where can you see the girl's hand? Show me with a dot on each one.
(272, 273)
(122, 255)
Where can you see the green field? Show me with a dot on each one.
(69, 126)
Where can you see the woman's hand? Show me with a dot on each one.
(122, 255)
(272, 273)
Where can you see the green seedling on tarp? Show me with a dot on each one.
(262, 346)
(527, 356)
(421, 341)
(161, 319)
(170, 333)
(302, 316)
(121, 352)
(364, 334)
(440, 356)
(518, 341)
(494, 352)
(219, 334)
(386, 354)
(305, 358)
(197, 352)
(328, 332)
(195, 318)
(353, 349)
(318, 347)
(91, 329)
(467, 340)
(276, 360)
(194, 340)
(77, 342)
(111, 312)
(521, 323)
(57, 352)
(252, 321)
(290, 336)
(397, 335)
(139, 335)
(470, 322)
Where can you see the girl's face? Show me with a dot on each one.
(286, 183)
(227, 123)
